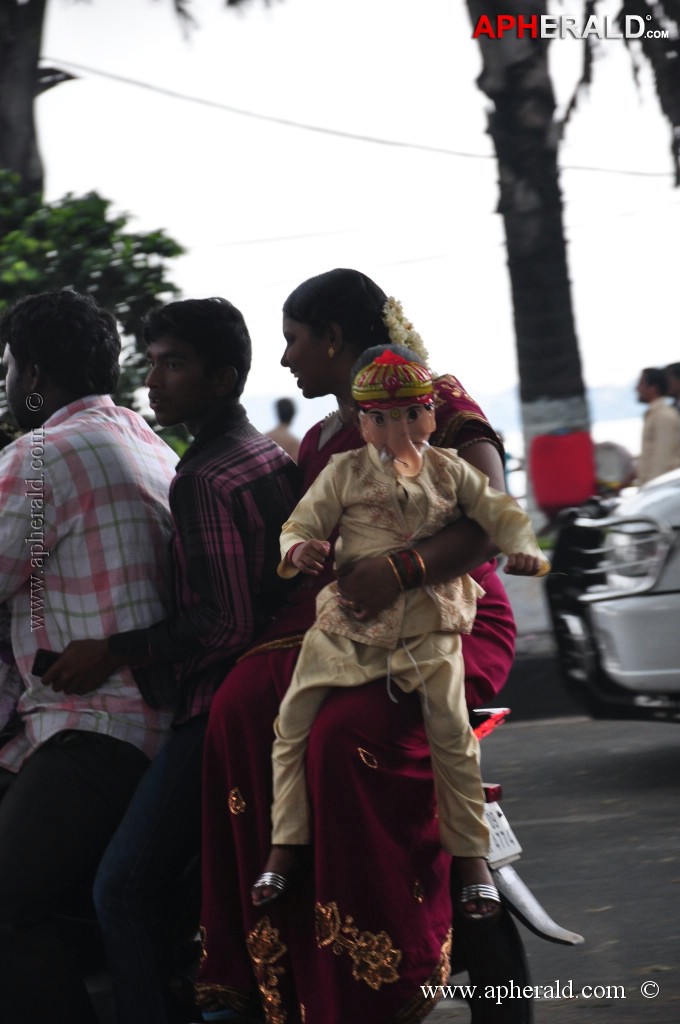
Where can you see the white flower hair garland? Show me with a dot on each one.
(401, 330)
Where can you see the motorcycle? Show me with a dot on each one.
(493, 955)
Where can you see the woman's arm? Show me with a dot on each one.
(370, 585)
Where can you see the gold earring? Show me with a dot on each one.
(331, 352)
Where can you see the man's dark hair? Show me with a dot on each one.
(673, 370)
(656, 378)
(71, 339)
(285, 410)
(214, 328)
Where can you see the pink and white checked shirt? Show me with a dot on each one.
(84, 530)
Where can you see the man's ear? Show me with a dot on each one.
(224, 380)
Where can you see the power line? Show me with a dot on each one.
(272, 118)
(336, 132)
(368, 229)
(234, 242)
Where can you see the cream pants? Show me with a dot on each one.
(432, 664)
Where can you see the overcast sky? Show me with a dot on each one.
(260, 206)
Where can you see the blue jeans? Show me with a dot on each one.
(149, 879)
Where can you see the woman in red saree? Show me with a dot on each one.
(369, 922)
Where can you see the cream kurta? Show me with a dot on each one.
(660, 441)
(415, 641)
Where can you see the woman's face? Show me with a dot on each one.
(306, 356)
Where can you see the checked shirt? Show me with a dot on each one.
(84, 529)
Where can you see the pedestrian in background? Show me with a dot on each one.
(282, 434)
(673, 378)
(660, 449)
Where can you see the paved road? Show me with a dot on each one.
(595, 806)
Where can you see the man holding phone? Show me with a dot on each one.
(84, 528)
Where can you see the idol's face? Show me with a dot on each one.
(400, 432)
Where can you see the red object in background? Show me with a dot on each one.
(562, 470)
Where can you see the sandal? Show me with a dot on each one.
(283, 865)
(477, 893)
(268, 880)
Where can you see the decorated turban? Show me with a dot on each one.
(390, 380)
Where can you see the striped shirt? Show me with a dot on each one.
(233, 491)
(84, 528)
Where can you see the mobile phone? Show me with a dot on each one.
(43, 660)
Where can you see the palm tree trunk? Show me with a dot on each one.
(21, 27)
(515, 77)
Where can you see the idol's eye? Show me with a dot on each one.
(378, 418)
(413, 413)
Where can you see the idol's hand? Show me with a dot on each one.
(520, 564)
(310, 556)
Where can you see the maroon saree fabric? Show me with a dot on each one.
(368, 920)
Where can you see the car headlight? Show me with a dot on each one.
(632, 553)
(635, 552)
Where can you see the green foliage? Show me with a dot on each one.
(76, 242)
(177, 437)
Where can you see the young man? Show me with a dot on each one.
(84, 527)
(233, 490)
(660, 447)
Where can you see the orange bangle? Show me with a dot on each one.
(395, 571)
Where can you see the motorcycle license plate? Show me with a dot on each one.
(503, 844)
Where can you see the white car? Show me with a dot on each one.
(614, 598)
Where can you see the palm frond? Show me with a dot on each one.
(663, 57)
